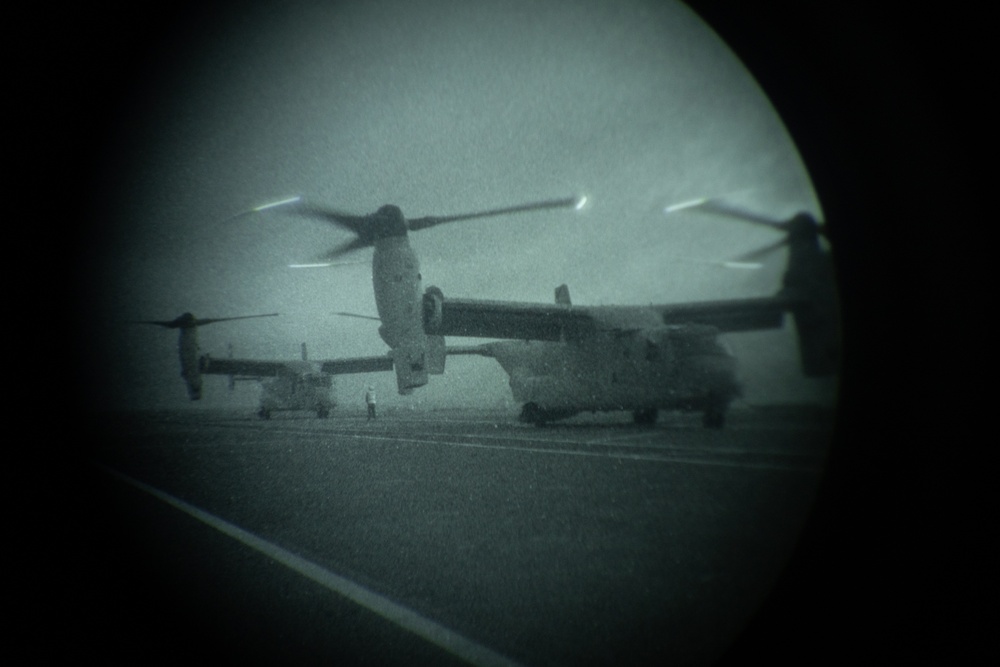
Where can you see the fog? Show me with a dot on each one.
(440, 108)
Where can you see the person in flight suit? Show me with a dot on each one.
(370, 402)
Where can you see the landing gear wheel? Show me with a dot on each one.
(322, 413)
(715, 414)
(644, 417)
(264, 413)
(714, 418)
(532, 414)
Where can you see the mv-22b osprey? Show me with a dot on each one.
(566, 359)
(396, 279)
(286, 385)
(308, 385)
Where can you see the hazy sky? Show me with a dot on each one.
(438, 107)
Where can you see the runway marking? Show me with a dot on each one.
(404, 617)
(553, 443)
(686, 454)
(662, 458)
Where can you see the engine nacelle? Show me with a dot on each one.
(410, 364)
(436, 355)
(819, 340)
(433, 309)
(190, 364)
(187, 346)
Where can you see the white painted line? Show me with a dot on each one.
(687, 454)
(653, 452)
(404, 617)
(665, 457)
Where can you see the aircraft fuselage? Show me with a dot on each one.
(304, 391)
(668, 368)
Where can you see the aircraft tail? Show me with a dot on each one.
(562, 295)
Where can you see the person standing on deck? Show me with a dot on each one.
(370, 402)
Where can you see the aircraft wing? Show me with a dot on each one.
(729, 315)
(266, 368)
(484, 350)
(357, 365)
(505, 319)
(554, 322)
(246, 367)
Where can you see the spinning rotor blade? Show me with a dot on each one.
(168, 324)
(796, 223)
(361, 317)
(743, 214)
(389, 221)
(362, 226)
(430, 221)
(348, 221)
(264, 207)
(227, 319)
(735, 263)
(760, 253)
(347, 248)
(187, 320)
(359, 224)
(802, 227)
(324, 265)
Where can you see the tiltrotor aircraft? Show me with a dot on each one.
(567, 359)
(396, 278)
(285, 384)
(187, 345)
(397, 285)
